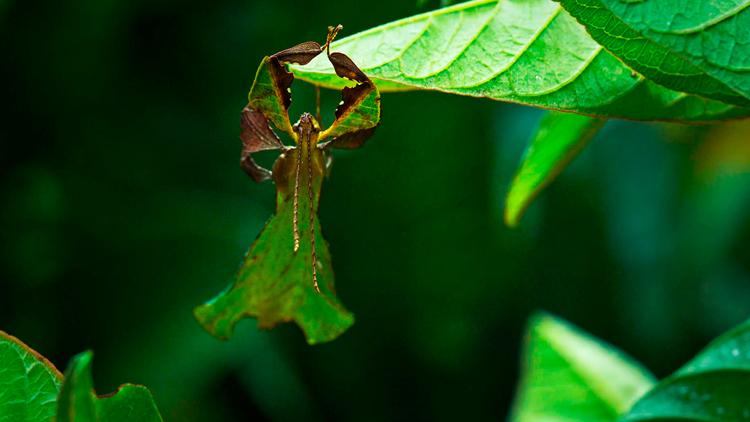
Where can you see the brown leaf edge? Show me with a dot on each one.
(50, 366)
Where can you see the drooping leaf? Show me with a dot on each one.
(700, 47)
(557, 141)
(275, 283)
(29, 383)
(78, 401)
(530, 52)
(570, 376)
(714, 386)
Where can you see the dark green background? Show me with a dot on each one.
(122, 206)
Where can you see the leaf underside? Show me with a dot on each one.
(529, 52)
(29, 383)
(78, 401)
(700, 47)
(714, 386)
(557, 141)
(570, 376)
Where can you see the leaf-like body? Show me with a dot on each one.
(270, 94)
(356, 117)
(530, 52)
(570, 376)
(557, 141)
(78, 401)
(700, 47)
(29, 383)
(275, 283)
(714, 386)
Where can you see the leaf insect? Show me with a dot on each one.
(347, 131)
(269, 283)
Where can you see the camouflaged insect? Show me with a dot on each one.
(286, 275)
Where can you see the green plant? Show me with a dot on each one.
(585, 61)
(34, 390)
(569, 375)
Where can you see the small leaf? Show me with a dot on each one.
(78, 401)
(714, 386)
(29, 383)
(529, 52)
(557, 141)
(570, 376)
(275, 283)
(701, 49)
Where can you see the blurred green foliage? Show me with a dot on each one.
(122, 205)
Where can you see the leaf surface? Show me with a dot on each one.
(701, 47)
(570, 376)
(529, 52)
(29, 383)
(714, 386)
(557, 141)
(78, 401)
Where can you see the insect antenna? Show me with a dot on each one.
(313, 255)
(332, 32)
(295, 219)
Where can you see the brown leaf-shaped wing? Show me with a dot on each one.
(345, 68)
(256, 135)
(300, 54)
(359, 112)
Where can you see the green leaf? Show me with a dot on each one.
(275, 283)
(701, 47)
(29, 383)
(714, 386)
(78, 401)
(570, 376)
(557, 141)
(529, 52)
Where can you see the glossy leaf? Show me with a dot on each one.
(78, 401)
(275, 283)
(557, 141)
(714, 386)
(570, 376)
(530, 52)
(29, 383)
(699, 47)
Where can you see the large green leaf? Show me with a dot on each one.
(275, 283)
(529, 52)
(78, 401)
(570, 376)
(557, 141)
(715, 386)
(702, 47)
(29, 383)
